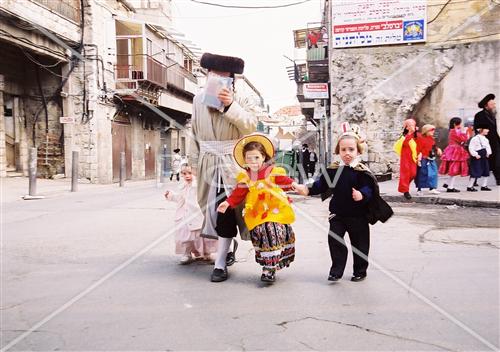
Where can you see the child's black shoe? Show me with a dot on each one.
(357, 278)
(268, 277)
(407, 195)
(333, 277)
(452, 190)
(485, 189)
(471, 189)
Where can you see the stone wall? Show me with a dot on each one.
(379, 87)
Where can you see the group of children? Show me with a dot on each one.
(418, 153)
(268, 213)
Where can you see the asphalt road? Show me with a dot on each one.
(96, 270)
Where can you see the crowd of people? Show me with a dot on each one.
(239, 189)
(468, 154)
(233, 186)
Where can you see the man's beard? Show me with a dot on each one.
(493, 112)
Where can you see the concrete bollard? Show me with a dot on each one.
(33, 157)
(74, 172)
(158, 173)
(122, 169)
(32, 171)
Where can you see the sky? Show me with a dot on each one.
(259, 36)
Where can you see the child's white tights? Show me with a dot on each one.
(471, 182)
(223, 245)
(451, 183)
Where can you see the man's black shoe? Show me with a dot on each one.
(333, 277)
(219, 275)
(357, 278)
(452, 190)
(445, 185)
(407, 195)
(471, 189)
(485, 189)
(231, 256)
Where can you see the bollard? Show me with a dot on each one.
(122, 169)
(32, 161)
(33, 157)
(158, 173)
(74, 172)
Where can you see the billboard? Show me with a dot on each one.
(315, 90)
(378, 22)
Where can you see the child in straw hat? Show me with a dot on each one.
(427, 170)
(267, 213)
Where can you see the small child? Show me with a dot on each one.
(454, 158)
(406, 147)
(176, 164)
(267, 213)
(355, 204)
(188, 241)
(480, 150)
(427, 176)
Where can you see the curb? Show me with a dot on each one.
(443, 201)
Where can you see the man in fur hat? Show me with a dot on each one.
(215, 133)
(487, 117)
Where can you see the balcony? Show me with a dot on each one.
(135, 71)
(69, 9)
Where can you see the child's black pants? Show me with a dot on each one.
(359, 235)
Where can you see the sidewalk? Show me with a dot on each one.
(14, 188)
(485, 199)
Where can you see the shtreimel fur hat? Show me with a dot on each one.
(222, 63)
(485, 100)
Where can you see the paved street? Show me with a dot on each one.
(72, 246)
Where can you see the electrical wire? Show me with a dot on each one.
(250, 7)
(439, 13)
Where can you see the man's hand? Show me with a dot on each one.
(357, 195)
(223, 207)
(478, 156)
(226, 97)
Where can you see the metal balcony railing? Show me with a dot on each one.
(66, 8)
(142, 67)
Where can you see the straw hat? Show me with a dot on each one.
(254, 137)
(427, 128)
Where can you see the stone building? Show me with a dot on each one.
(444, 76)
(93, 76)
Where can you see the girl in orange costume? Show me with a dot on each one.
(408, 161)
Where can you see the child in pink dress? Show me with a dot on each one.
(455, 156)
(189, 221)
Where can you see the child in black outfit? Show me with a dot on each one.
(355, 203)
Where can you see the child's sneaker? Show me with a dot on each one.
(186, 259)
(434, 191)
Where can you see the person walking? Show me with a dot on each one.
(176, 164)
(215, 131)
(188, 241)
(455, 156)
(268, 213)
(487, 117)
(480, 151)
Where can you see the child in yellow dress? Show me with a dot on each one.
(267, 213)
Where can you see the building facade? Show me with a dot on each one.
(450, 66)
(97, 77)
